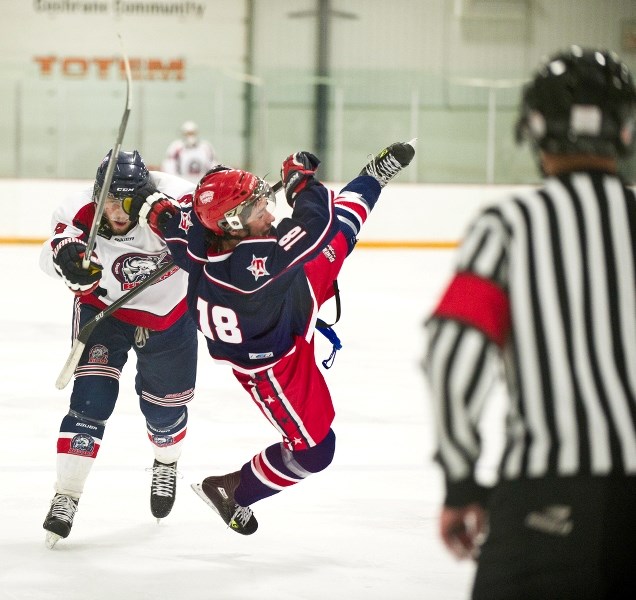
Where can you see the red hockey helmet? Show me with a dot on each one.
(223, 200)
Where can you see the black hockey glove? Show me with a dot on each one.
(297, 173)
(154, 210)
(67, 260)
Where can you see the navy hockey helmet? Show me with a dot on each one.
(129, 176)
(580, 101)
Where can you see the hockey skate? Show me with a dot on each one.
(163, 489)
(218, 493)
(59, 519)
(387, 163)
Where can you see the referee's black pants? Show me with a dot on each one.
(560, 539)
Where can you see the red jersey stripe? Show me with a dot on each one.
(64, 446)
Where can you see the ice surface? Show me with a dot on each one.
(364, 529)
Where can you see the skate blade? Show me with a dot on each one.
(198, 490)
(51, 539)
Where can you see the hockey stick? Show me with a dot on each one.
(112, 162)
(79, 343)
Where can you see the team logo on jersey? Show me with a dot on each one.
(98, 355)
(132, 269)
(82, 444)
(186, 221)
(257, 268)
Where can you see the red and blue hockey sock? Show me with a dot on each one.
(353, 205)
(277, 468)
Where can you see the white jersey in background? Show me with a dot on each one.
(189, 161)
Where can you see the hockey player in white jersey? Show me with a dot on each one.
(189, 157)
(155, 324)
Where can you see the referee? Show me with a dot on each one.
(545, 287)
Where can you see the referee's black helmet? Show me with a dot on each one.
(581, 101)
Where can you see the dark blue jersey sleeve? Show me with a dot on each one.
(187, 238)
(258, 261)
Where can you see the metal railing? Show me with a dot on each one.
(62, 129)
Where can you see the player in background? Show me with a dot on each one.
(155, 324)
(545, 287)
(255, 291)
(189, 156)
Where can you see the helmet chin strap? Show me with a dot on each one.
(104, 230)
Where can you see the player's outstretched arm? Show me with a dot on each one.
(297, 174)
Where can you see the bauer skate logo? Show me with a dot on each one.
(82, 445)
(86, 425)
(162, 440)
(257, 268)
(98, 355)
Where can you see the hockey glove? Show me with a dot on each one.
(297, 173)
(67, 260)
(155, 210)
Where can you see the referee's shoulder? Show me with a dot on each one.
(513, 196)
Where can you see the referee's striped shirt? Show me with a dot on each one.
(545, 282)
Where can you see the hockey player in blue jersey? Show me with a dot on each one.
(255, 290)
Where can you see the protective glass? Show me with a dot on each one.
(262, 198)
